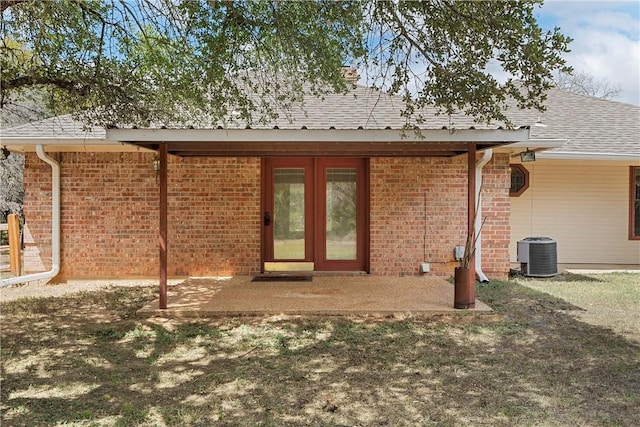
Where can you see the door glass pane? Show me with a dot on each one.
(288, 215)
(341, 214)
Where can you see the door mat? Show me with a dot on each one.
(282, 278)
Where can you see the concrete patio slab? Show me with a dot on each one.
(324, 295)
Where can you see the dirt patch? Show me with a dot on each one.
(45, 289)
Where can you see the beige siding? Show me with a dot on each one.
(583, 205)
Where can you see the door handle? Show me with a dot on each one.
(267, 218)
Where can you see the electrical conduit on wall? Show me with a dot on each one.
(55, 226)
(479, 165)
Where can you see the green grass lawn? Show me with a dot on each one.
(610, 300)
(88, 360)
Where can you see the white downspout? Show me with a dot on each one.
(479, 165)
(55, 226)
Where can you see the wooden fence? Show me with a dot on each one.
(14, 249)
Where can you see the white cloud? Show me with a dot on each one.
(606, 40)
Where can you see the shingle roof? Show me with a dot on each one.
(59, 128)
(362, 108)
(591, 125)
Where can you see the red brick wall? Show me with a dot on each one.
(419, 214)
(110, 214)
(496, 232)
(214, 220)
(37, 211)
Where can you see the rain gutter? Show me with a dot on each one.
(478, 221)
(55, 226)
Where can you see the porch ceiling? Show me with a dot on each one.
(317, 143)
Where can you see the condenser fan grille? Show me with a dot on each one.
(538, 256)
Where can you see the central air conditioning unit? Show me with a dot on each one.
(538, 256)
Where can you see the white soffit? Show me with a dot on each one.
(536, 144)
(559, 155)
(26, 145)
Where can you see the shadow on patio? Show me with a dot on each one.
(324, 295)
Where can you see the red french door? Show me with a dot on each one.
(315, 214)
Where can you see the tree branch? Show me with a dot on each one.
(414, 43)
(27, 81)
(6, 4)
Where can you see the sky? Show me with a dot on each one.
(606, 40)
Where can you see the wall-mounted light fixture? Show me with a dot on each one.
(5, 152)
(528, 156)
(155, 163)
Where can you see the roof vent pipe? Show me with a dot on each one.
(55, 226)
(479, 165)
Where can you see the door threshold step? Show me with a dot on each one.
(282, 277)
